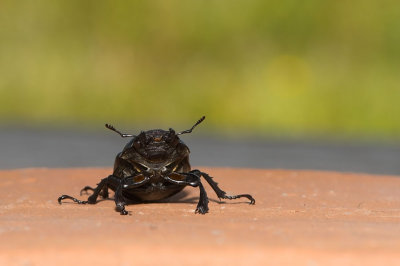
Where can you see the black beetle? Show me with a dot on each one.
(152, 166)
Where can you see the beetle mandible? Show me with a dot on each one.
(152, 166)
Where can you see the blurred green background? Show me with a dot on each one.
(320, 68)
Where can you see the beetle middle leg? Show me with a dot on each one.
(104, 192)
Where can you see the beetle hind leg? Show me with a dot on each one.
(92, 199)
(220, 193)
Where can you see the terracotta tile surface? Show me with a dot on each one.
(300, 218)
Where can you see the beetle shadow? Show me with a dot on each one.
(180, 197)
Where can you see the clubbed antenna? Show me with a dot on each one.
(121, 134)
(190, 130)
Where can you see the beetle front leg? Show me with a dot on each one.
(120, 200)
(127, 183)
(220, 193)
(193, 181)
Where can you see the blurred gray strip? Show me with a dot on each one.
(21, 148)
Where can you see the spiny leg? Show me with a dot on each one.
(93, 198)
(220, 193)
(202, 206)
(192, 180)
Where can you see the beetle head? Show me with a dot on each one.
(158, 145)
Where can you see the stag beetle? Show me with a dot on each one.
(152, 166)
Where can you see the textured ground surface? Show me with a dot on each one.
(300, 218)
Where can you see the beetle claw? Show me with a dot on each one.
(201, 209)
(123, 212)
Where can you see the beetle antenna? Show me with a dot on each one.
(190, 130)
(121, 134)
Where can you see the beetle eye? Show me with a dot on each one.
(140, 141)
(171, 137)
(137, 145)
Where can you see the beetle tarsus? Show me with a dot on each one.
(121, 209)
(252, 200)
(201, 210)
(71, 198)
(202, 206)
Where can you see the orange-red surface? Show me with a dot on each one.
(300, 218)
